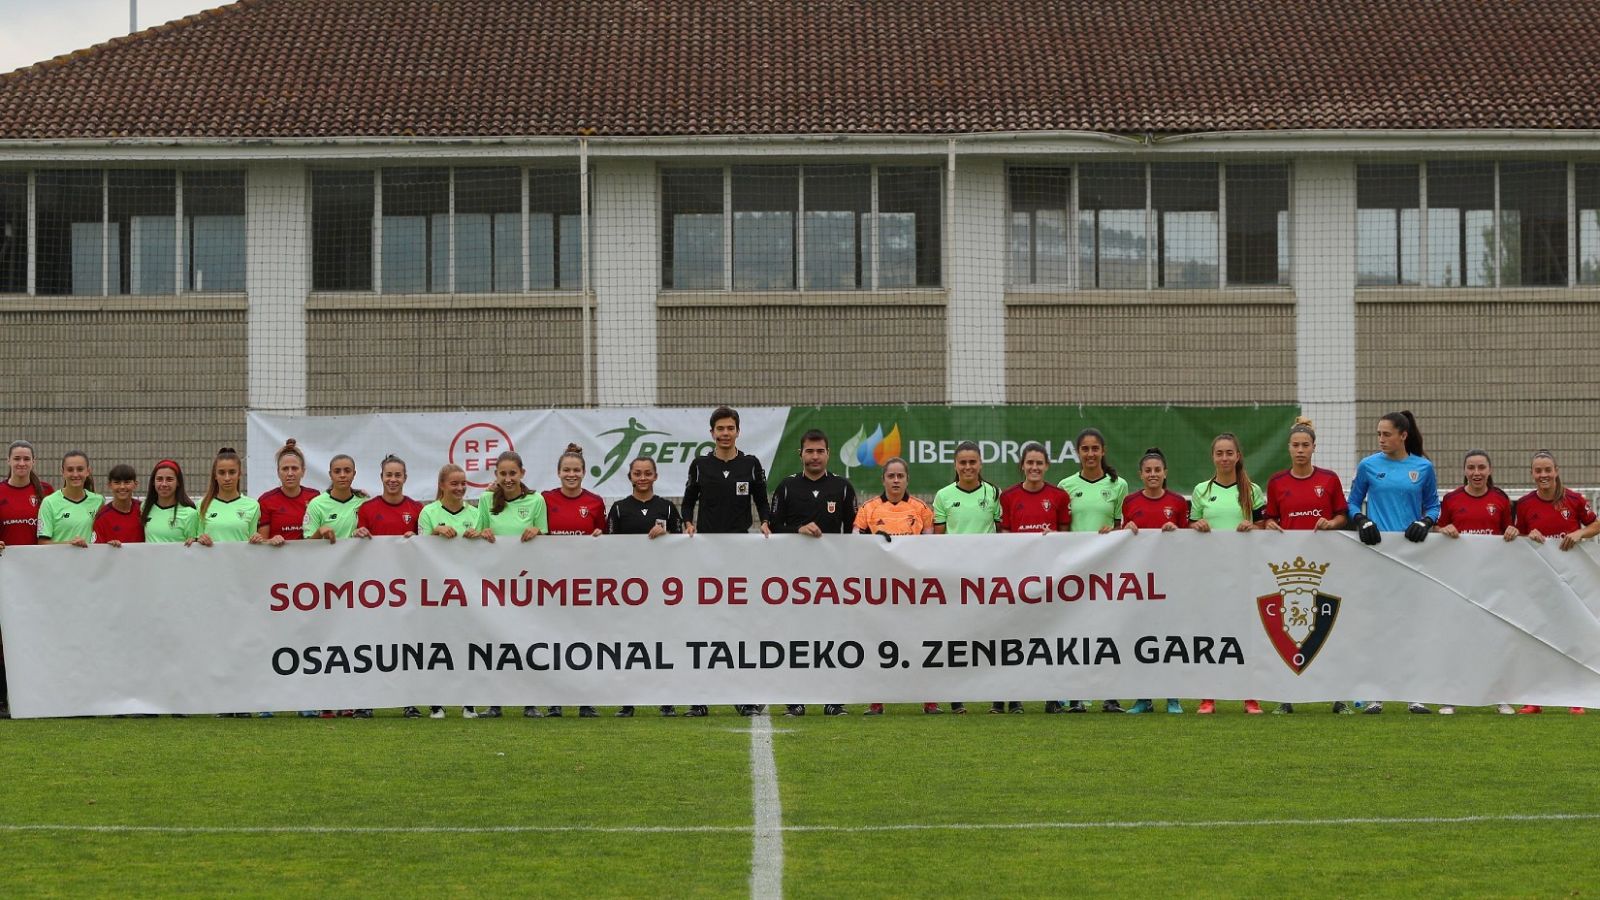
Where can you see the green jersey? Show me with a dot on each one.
(434, 514)
(231, 521)
(340, 515)
(62, 520)
(172, 524)
(961, 511)
(1219, 505)
(1097, 503)
(517, 516)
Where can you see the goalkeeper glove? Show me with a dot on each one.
(1367, 529)
(1417, 531)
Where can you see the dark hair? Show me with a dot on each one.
(290, 448)
(498, 502)
(1485, 454)
(1154, 453)
(1302, 425)
(813, 435)
(896, 459)
(1077, 442)
(88, 483)
(355, 491)
(180, 495)
(391, 458)
(1032, 447)
(573, 451)
(122, 472)
(1406, 422)
(1241, 477)
(964, 446)
(1561, 489)
(445, 471)
(724, 412)
(640, 459)
(33, 476)
(223, 455)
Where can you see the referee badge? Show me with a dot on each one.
(741, 488)
(832, 507)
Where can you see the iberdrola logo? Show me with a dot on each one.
(870, 451)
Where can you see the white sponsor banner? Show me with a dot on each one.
(738, 618)
(610, 438)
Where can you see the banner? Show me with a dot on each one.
(843, 619)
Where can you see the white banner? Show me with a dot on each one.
(739, 618)
(610, 438)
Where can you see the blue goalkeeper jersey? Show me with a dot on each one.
(1394, 493)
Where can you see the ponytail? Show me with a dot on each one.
(1405, 421)
(573, 451)
(1302, 425)
(223, 455)
(1561, 489)
(446, 471)
(1156, 454)
(1241, 477)
(1105, 463)
(290, 448)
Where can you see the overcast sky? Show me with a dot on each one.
(35, 30)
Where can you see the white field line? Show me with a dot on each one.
(1398, 821)
(766, 850)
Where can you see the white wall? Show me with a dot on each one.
(626, 269)
(1323, 223)
(976, 274)
(277, 280)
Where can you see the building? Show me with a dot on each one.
(346, 205)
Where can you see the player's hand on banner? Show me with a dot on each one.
(1368, 531)
(1417, 531)
(1512, 534)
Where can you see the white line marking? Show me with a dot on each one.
(780, 828)
(766, 851)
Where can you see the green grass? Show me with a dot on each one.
(855, 772)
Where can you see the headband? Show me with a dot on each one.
(168, 464)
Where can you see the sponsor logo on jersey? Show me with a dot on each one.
(1300, 616)
(475, 449)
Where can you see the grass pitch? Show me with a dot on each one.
(905, 805)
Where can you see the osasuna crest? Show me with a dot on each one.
(1318, 489)
(1300, 616)
(583, 512)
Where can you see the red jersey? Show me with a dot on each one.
(1535, 513)
(1047, 509)
(574, 515)
(110, 525)
(1297, 503)
(1147, 513)
(19, 513)
(385, 519)
(282, 515)
(1490, 514)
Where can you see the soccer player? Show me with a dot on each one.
(1552, 509)
(511, 510)
(1304, 497)
(20, 496)
(1395, 489)
(895, 513)
(1477, 506)
(226, 515)
(642, 512)
(392, 513)
(449, 516)
(814, 502)
(574, 511)
(1154, 508)
(67, 516)
(968, 505)
(1226, 501)
(170, 517)
(1033, 506)
(118, 522)
(1097, 492)
(332, 515)
(716, 500)
(283, 509)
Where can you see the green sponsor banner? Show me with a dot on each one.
(864, 437)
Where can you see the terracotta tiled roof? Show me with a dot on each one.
(451, 68)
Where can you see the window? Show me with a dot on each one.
(555, 230)
(213, 232)
(416, 231)
(341, 230)
(1388, 224)
(1041, 207)
(831, 227)
(13, 232)
(143, 216)
(1588, 197)
(1533, 223)
(71, 244)
(488, 249)
(1183, 197)
(1112, 237)
(1257, 223)
(1460, 232)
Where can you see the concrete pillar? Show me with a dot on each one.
(975, 324)
(1323, 260)
(627, 272)
(277, 282)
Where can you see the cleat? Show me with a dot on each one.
(1342, 708)
(1111, 706)
(795, 709)
(587, 712)
(997, 708)
(1016, 707)
(435, 712)
(1373, 708)
(1418, 708)
(362, 714)
(1576, 710)
(1252, 707)
(347, 713)
(958, 709)
(931, 709)
(492, 712)
(308, 714)
(1140, 707)
(742, 709)
(1530, 710)
(325, 714)
(1052, 707)
(875, 709)
(469, 712)
(1284, 709)
(1076, 706)
(412, 712)
(1447, 710)
(553, 712)
(668, 712)
(696, 712)
(1174, 707)
(625, 712)
(835, 709)
(1207, 707)
(1505, 709)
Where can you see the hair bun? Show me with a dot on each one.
(574, 448)
(1154, 451)
(227, 450)
(289, 442)
(1302, 420)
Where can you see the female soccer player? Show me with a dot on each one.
(1032, 505)
(170, 517)
(1154, 508)
(1395, 489)
(67, 516)
(1477, 507)
(20, 496)
(118, 522)
(511, 510)
(392, 513)
(283, 509)
(1226, 501)
(1551, 509)
(449, 516)
(642, 512)
(968, 505)
(895, 513)
(1097, 492)
(573, 510)
(332, 515)
(227, 516)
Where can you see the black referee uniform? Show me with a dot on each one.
(721, 491)
(630, 516)
(830, 502)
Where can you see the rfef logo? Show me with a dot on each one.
(1299, 617)
(864, 450)
(475, 448)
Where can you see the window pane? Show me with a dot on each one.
(691, 229)
(13, 232)
(908, 227)
(488, 230)
(416, 231)
(555, 236)
(1184, 197)
(1388, 221)
(144, 227)
(1040, 199)
(765, 202)
(1111, 225)
(341, 231)
(1460, 224)
(838, 199)
(214, 231)
(1533, 216)
(1258, 217)
(1588, 224)
(68, 216)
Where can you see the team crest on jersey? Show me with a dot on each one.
(1300, 616)
(1105, 495)
(1566, 513)
(522, 512)
(583, 512)
(33, 501)
(832, 506)
(1493, 510)
(740, 488)
(1415, 475)
(406, 518)
(1167, 510)
(1047, 506)
(1319, 491)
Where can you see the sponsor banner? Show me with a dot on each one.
(864, 437)
(610, 438)
(844, 619)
